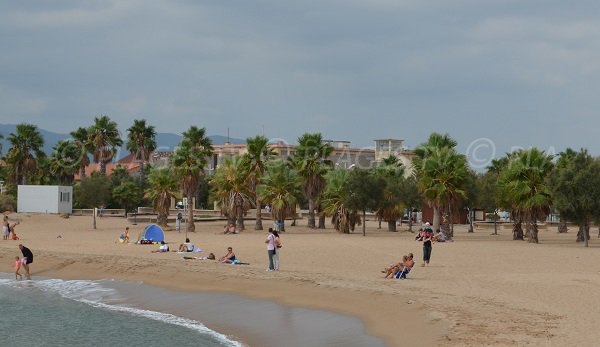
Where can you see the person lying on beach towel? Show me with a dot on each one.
(163, 248)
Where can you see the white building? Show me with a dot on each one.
(45, 199)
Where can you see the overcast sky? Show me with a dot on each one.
(516, 73)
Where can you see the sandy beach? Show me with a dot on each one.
(479, 290)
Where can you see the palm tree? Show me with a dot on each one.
(26, 148)
(280, 187)
(495, 168)
(565, 159)
(189, 161)
(391, 171)
(311, 163)
(335, 200)
(441, 173)
(230, 184)
(524, 184)
(81, 139)
(259, 153)
(162, 184)
(64, 162)
(141, 142)
(104, 138)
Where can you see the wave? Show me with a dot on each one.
(94, 294)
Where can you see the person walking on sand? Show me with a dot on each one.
(427, 241)
(271, 249)
(17, 268)
(278, 246)
(26, 260)
(5, 228)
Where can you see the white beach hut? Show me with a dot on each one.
(45, 199)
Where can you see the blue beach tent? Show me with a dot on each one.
(153, 232)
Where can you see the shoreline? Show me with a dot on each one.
(309, 296)
(465, 297)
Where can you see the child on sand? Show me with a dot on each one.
(17, 268)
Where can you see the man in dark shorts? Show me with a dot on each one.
(26, 260)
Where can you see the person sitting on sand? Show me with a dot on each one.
(162, 248)
(439, 236)
(228, 258)
(124, 237)
(229, 229)
(187, 246)
(393, 268)
(405, 270)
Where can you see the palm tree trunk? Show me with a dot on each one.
(364, 222)
(410, 220)
(391, 225)
(533, 233)
(311, 213)
(142, 172)
(258, 225)
(321, 219)
(82, 172)
(191, 227)
(436, 217)
(584, 232)
(240, 219)
(517, 231)
(103, 167)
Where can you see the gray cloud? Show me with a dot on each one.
(520, 73)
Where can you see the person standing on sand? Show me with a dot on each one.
(427, 241)
(26, 260)
(5, 228)
(278, 246)
(17, 268)
(271, 249)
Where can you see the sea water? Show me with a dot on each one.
(54, 312)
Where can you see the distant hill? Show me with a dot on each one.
(164, 141)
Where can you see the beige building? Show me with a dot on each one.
(343, 155)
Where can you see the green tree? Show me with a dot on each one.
(390, 206)
(64, 161)
(104, 138)
(230, 184)
(162, 185)
(92, 191)
(411, 197)
(280, 187)
(189, 161)
(335, 199)
(141, 141)
(81, 139)
(524, 184)
(258, 155)
(26, 149)
(128, 194)
(441, 173)
(311, 163)
(364, 190)
(576, 190)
